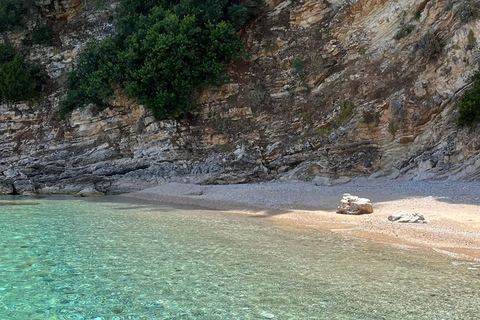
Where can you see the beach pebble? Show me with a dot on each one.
(267, 315)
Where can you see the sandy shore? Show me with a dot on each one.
(451, 208)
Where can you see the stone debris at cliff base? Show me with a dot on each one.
(90, 192)
(407, 217)
(325, 181)
(354, 205)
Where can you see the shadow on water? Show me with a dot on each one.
(19, 203)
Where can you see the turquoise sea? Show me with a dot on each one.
(113, 258)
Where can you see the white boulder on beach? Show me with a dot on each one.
(354, 205)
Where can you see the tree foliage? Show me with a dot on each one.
(16, 81)
(42, 35)
(162, 52)
(7, 53)
(11, 12)
(469, 105)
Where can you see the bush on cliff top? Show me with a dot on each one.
(162, 52)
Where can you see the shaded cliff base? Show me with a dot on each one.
(452, 209)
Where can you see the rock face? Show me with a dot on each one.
(330, 90)
(354, 205)
(24, 187)
(406, 217)
(6, 188)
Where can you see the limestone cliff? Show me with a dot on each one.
(332, 88)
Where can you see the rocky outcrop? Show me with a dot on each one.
(330, 90)
(354, 205)
(24, 187)
(6, 188)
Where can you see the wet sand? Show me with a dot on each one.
(451, 208)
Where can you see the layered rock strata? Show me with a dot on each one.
(332, 89)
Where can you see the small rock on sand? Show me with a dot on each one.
(407, 217)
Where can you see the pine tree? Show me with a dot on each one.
(16, 82)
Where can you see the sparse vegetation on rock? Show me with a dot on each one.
(468, 11)
(370, 117)
(347, 110)
(430, 45)
(404, 31)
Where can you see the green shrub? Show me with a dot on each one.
(392, 128)
(404, 31)
(11, 12)
(324, 131)
(7, 53)
(469, 105)
(238, 15)
(471, 40)
(16, 82)
(468, 11)
(370, 117)
(42, 35)
(299, 66)
(418, 14)
(430, 45)
(347, 110)
(164, 50)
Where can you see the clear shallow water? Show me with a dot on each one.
(69, 258)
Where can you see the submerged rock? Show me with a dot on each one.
(267, 315)
(354, 205)
(407, 217)
(90, 192)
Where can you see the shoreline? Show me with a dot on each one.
(452, 209)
